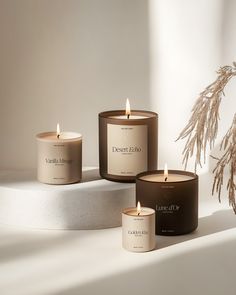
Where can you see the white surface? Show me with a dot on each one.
(92, 204)
(69, 60)
(93, 262)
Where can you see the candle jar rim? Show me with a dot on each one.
(158, 172)
(41, 136)
(147, 114)
(126, 210)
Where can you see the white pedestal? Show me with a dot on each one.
(94, 203)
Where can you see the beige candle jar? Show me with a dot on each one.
(59, 157)
(138, 230)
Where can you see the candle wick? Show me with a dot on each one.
(166, 179)
(138, 213)
(128, 116)
(58, 135)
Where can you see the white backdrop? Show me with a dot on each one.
(65, 61)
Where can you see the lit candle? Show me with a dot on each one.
(127, 143)
(127, 114)
(58, 130)
(127, 109)
(166, 173)
(167, 177)
(174, 196)
(59, 157)
(138, 229)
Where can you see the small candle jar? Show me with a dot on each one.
(59, 157)
(174, 197)
(127, 144)
(138, 229)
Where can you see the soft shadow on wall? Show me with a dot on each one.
(65, 61)
(185, 43)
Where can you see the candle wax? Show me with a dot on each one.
(170, 178)
(144, 212)
(63, 135)
(130, 117)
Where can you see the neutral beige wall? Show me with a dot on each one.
(65, 61)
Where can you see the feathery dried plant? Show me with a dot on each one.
(228, 144)
(202, 130)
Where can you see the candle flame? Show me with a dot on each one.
(166, 172)
(58, 130)
(138, 208)
(127, 109)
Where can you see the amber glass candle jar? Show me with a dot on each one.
(127, 144)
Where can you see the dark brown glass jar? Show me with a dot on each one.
(127, 146)
(175, 200)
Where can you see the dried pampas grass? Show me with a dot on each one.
(201, 131)
(228, 145)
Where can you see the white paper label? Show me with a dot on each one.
(126, 149)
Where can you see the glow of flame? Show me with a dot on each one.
(138, 208)
(165, 172)
(127, 109)
(58, 130)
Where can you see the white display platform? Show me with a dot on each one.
(94, 203)
(85, 262)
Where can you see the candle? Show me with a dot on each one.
(138, 229)
(59, 157)
(127, 143)
(174, 196)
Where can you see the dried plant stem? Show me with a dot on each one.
(228, 144)
(202, 127)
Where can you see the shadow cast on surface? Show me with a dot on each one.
(30, 176)
(207, 225)
(161, 268)
(34, 244)
(90, 175)
(194, 270)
